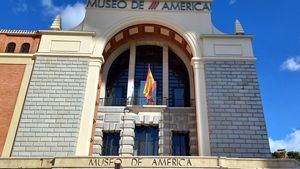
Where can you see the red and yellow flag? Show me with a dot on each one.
(150, 85)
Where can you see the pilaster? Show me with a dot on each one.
(88, 109)
(201, 107)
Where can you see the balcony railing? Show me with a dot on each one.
(143, 101)
(113, 101)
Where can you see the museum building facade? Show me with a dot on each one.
(77, 99)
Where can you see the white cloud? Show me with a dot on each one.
(231, 2)
(290, 143)
(71, 14)
(21, 6)
(50, 7)
(291, 64)
(47, 3)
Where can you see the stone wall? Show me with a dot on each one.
(236, 119)
(50, 119)
(167, 120)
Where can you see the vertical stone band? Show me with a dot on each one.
(201, 107)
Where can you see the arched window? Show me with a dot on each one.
(117, 80)
(10, 48)
(179, 83)
(25, 48)
(178, 86)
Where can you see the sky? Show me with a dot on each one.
(274, 24)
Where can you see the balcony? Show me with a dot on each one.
(143, 101)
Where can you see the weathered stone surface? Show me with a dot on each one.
(236, 119)
(181, 120)
(52, 109)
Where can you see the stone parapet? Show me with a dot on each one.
(146, 163)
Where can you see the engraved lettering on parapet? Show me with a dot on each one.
(193, 6)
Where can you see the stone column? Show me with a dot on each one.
(201, 107)
(127, 134)
(165, 74)
(131, 74)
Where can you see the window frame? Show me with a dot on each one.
(105, 137)
(155, 143)
(186, 134)
(26, 50)
(10, 47)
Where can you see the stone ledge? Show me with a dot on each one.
(147, 108)
(147, 162)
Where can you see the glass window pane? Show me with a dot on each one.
(145, 55)
(178, 81)
(179, 97)
(142, 100)
(180, 144)
(146, 141)
(10, 48)
(25, 48)
(117, 81)
(175, 145)
(111, 144)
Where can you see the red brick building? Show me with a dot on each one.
(16, 50)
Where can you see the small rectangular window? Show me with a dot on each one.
(146, 141)
(111, 143)
(180, 144)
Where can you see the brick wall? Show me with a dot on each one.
(50, 119)
(236, 120)
(19, 39)
(10, 82)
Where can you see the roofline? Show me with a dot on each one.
(203, 36)
(19, 32)
(62, 32)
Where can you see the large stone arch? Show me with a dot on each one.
(146, 31)
(146, 34)
(106, 35)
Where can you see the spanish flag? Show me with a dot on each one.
(150, 86)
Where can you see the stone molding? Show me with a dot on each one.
(146, 162)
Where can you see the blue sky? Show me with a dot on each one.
(274, 24)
